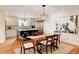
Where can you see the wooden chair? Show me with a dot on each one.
(58, 33)
(27, 45)
(56, 40)
(47, 42)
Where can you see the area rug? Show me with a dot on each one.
(63, 49)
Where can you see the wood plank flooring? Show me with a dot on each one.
(16, 45)
(74, 51)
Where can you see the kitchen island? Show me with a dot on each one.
(27, 32)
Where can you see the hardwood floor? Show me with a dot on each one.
(10, 49)
(74, 51)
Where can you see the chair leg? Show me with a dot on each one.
(51, 48)
(56, 44)
(21, 51)
(37, 46)
(24, 51)
(46, 49)
(53, 44)
(40, 47)
(34, 50)
(59, 41)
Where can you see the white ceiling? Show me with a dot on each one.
(18, 10)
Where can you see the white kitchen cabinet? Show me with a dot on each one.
(11, 21)
(11, 26)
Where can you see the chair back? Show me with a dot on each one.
(21, 40)
(49, 38)
(55, 37)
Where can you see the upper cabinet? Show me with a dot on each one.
(11, 21)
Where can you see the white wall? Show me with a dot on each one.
(49, 26)
(2, 27)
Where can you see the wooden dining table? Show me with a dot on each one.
(38, 38)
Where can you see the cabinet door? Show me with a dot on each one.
(32, 22)
(11, 21)
(39, 25)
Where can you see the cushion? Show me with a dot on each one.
(28, 45)
(44, 42)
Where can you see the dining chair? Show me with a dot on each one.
(58, 33)
(56, 40)
(26, 45)
(47, 42)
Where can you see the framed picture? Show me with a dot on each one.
(68, 24)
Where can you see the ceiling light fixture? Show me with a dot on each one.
(43, 16)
